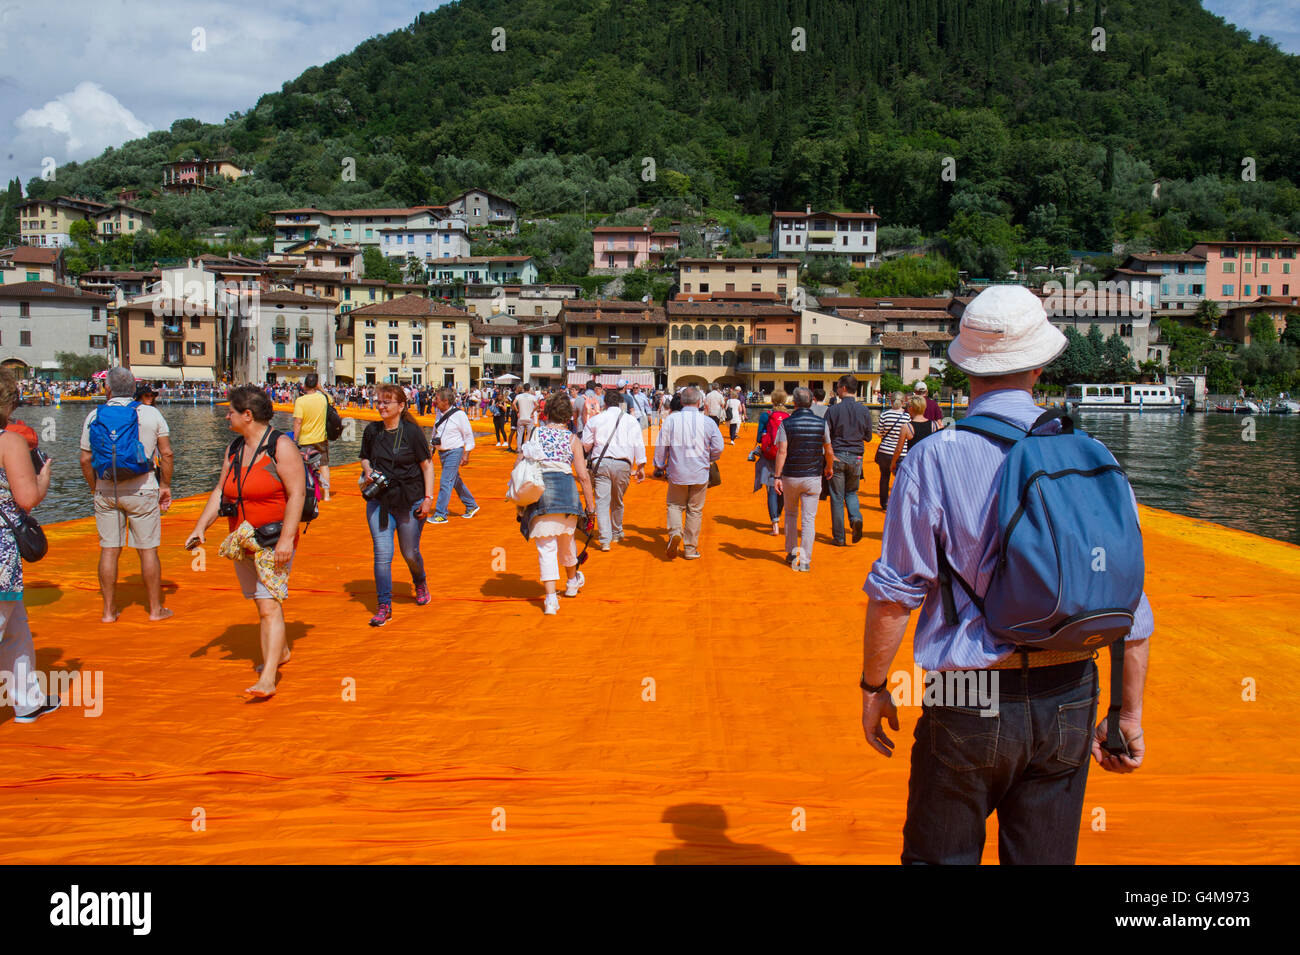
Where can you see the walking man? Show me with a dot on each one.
(118, 444)
(526, 407)
(613, 437)
(1028, 759)
(803, 456)
(454, 439)
(713, 405)
(309, 412)
(850, 424)
(688, 443)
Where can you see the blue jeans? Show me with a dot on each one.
(449, 478)
(1029, 763)
(407, 528)
(844, 482)
(775, 502)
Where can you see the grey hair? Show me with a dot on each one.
(802, 398)
(896, 399)
(690, 395)
(121, 383)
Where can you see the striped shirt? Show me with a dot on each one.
(891, 426)
(946, 493)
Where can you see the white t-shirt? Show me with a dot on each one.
(713, 403)
(526, 402)
(152, 426)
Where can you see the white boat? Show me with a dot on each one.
(1125, 396)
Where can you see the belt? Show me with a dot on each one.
(1041, 658)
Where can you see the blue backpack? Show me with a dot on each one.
(115, 443)
(1069, 570)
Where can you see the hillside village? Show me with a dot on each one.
(458, 318)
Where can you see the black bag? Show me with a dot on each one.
(333, 422)
(32, 545)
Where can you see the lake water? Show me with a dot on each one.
(1194, 464)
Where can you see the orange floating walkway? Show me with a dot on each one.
(478, 710)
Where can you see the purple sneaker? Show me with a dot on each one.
(382, 615)
(422, 595)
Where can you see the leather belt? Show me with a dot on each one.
(1041, 658)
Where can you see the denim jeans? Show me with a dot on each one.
(844, 493)
(449, 478)
(1029, 763)
(775, 503)
(407, 528)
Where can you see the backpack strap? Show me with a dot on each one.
(1115, 743)
(997, 428)
(946, 576)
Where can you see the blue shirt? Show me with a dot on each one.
(688, 442)
(946, 492)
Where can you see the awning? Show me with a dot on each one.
(633, 376)
(156, 373)
(199, 374)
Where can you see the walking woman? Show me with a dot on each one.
(263, 486)
(764, 475)
(735, 413)
(892, 431)
(551, 521)
(499, 409)
(395, 446)
(21, 485)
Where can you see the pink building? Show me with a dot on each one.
(661, 242)
(620, 247)
(1241, 272)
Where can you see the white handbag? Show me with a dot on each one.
(526, 482)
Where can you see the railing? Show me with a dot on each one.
(173, 359)
(172, 331)
(305, 334)
(279, 334)
(292, 362)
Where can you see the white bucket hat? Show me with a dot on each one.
(1004, 331)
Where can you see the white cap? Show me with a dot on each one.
(920, 387)
(622, 382)
(1004, 331)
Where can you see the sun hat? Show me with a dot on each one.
(1004, 331)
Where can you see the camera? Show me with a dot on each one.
(435, 441)
(227, 509)
(379, 482)
(39, 458)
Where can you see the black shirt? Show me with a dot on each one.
(850, 425)
(398, 454)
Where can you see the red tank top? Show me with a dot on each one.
(264, 499)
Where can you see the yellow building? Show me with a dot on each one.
(48, 222)
(123, 219)
(699, 279)
(411, 340)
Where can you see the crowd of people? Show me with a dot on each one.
(589, 444)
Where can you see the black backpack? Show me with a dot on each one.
(333, 421)
(310, 504)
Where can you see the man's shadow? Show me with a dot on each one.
(701, 829)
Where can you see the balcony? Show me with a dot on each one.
(279, 334)
(291, 362)
(305, 334)
(172, 331)
(623, 341)
(173, 359)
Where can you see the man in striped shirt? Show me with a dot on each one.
(1029, 759)
(892, 421)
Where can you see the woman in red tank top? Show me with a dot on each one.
(265, 481)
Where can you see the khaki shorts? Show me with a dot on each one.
(134, 520)
(324, 448)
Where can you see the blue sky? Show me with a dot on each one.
(77, 76)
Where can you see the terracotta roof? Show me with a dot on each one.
(51, 291)
(1134, 273)
(717, 261)
(833, 215)
(31, 255)
(901, 302)
(692, 310)
(550, 328)
(610, 310)
(622, 228)
(895, 314)
(411, 306)
(1172, 257)
(501, 331)
(908, 341)
(665, 235)
(475, 340)
(312, 276)
(477, 260)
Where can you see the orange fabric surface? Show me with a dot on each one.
(477, 708)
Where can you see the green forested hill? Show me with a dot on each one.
(1053, 141)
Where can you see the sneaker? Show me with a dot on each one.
(604, 545)
(691, 555)
(857, 530)
(573, 586)
(471, 512)
(51, 704)
(436, 519)
(422, 595)
(552, 606)
(382, 615)
(752, 456)
(791, 557)
(803, 568)
(674, 543)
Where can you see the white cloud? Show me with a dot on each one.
(88, 118)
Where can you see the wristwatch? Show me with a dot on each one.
(868, 688)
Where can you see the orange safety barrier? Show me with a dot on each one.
(674, 712)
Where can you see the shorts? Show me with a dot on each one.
(250, 583)
(133, 519)
(324, 448)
